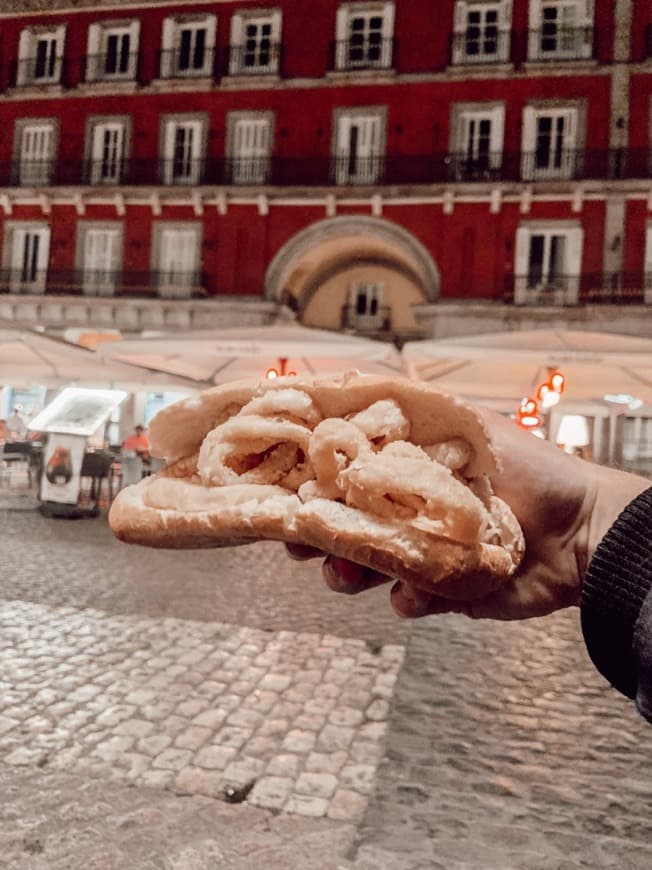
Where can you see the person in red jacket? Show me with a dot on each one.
(137, 443)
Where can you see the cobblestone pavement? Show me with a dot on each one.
(503, 748)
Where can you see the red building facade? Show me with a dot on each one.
(365, 163)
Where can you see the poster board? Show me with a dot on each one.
(77, 411)
(62, 462)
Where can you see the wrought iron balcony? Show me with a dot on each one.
(477, 45)
(590, 288)
(39, 70)
(377, 319)
(261, 57)
(110, 67)
(168, 284)
(553, 42)
(362, 52)
(184, 63)
(351, 171)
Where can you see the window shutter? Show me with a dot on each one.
(388, 34)
(237, 40)
(573, 264)
(459, 44)
(342, 24)
(169, 27)
(497, 136)
(211, 30)
(505, 14)
(134, 46)
(521, 259)
(461, 10)
(25, 54)
(528, 142)
(535, 14)
(93, 50)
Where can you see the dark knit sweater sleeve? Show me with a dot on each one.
(616, 605)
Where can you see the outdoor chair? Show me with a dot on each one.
(16, 461)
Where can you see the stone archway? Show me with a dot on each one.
(320, 270)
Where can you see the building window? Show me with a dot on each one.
(550, 143)
(188, 47)
(255, 43)
(359, 146)
(35, 150)
(364, 36)
(176, 252)
(183, 148)
(548, 264)
(99, 254)
(26, 253)
(40, 56)
(112, 51)
(249, 147)
(366, 310)
(560, 30)
(482, 32)
(477, 146)
(107, 153)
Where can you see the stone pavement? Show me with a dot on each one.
(136, 693)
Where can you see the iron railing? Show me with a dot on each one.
(489, 44)
(368, 51)
(556, 43)
(117, 66)
(545, 164)
(197, 62)
(260, 58)
(478, 45)
(39, 70)
(378, 321)
(589, 288)
(169, 284)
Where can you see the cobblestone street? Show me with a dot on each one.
(224, 709)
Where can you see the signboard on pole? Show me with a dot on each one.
(62, 462)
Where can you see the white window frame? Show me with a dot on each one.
(102, 279)
(196, 148)
(26, 277)
(169, 282)
(546, 289)
(249, 161)
(238, 41)
(503, 9)
(99, 35)
(97, 161)
(466, 117)
(566, 164)
(580, 34)
(346, 14)
(361, 168)
(28, 174)
(173, 27)
(28, 55)
(373, 294)
(647, 291)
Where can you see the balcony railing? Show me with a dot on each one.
(187, 63)
(554, 43)
(379, 321)
(590, 288)
(109, 67)
(481, 46)
(350, 171)
(362, 53)
(258, 59)
(168, 284)
(34, 71)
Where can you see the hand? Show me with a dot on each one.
(564, 505)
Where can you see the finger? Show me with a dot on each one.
(301, 552)
(412, 603)
(348, 578)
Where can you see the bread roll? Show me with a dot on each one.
(382, 471)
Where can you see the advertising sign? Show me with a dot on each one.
(62, 464)
(78, 411)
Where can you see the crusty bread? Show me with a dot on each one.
(381, 471)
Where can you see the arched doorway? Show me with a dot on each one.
(357, 273)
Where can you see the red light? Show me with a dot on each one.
(558, 382)
(270, 374)
(528, 416)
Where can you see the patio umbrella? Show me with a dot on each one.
(510, 365)
(29, 358)
(218, 356)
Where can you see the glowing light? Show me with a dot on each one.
(270, 374)
(558, 382)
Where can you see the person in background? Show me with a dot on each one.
(5, 434)
(135, 456)
(16, 425)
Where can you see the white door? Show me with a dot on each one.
(358, 157)
(118, 54)
(29, 259)
(107, 153)
(46, 62)
(36, 152)
(177, 273)
(561, 29)
(481, 142)
(100, 262)
(251, 148)
(257, 49)
(191, 50)
(183, 149)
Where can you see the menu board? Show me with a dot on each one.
(62, 462)
(78, 411)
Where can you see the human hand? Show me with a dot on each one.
(564, 505)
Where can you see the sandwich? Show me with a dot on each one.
(384, 472)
